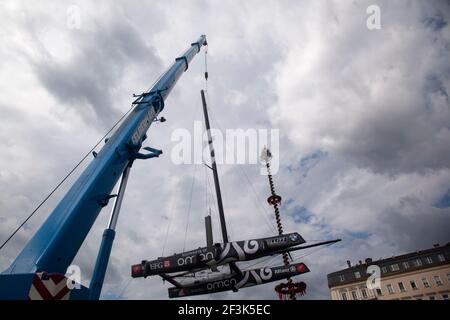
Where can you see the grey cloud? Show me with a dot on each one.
(381, 89)
(411, 224)
(436, 22)
(91, 80)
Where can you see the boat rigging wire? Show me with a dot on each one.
(312, 252)
(189, 206)
(171, 210)
(124, 288)
(248, 181)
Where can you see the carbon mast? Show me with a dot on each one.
(213, 167)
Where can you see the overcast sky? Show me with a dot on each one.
(363, 118)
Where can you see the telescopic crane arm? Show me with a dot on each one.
(54, 246)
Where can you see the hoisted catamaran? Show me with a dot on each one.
(213, 255)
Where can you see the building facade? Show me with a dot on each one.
(422, 275)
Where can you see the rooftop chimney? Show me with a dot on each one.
(349, 263)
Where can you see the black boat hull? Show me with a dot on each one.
(234, 282)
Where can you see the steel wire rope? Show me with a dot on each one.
(64, 179)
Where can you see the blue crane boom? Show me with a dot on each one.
(54, 246)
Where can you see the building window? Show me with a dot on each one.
(445, 296)
(364, 293)
(413, 284)
(448, 277)
(438, 280)
(401, 287)
(418, 262)
(425, 282)
(428, 260)
(432, 298)
(384, 269)
(379, 292)
(390, 289)
(395, 267)
(406, 265)
(341, 277)
(357, 275)
(354, 296)
(344, 295)
(441, 257)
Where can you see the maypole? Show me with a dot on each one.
(274, 200)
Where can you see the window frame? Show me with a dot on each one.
(390, 288)
(344, 295)
(426, 283)
(397, 267)
(364, 293)
(438, 280)
(401, 286)
(428, 260)
(415, 287)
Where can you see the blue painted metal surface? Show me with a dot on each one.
(17, 287)
(55, 244)
(102, 264)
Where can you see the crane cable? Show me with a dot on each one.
(206, 74)
(64, 179)
(208, 195)
(206, 68)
